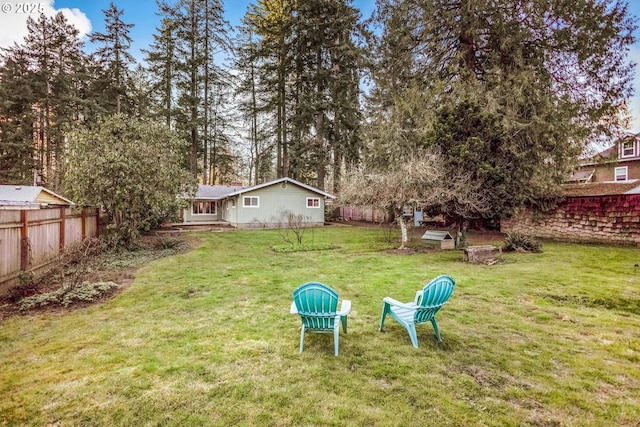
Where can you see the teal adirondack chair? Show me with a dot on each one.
(316, 303)
(423, 309)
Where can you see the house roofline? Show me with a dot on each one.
(51, 193)
(278, 181)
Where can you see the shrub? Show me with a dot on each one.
(26, 287)
(519, 242)
(67, 295)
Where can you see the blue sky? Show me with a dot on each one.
(87, 15)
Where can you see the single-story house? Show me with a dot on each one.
(264, 205)
(30, 197)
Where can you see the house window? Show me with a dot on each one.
(628, 149)
(200, 207)
(251, 201)
(313, 202)
(621, 173)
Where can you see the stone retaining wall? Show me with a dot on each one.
(593, 219)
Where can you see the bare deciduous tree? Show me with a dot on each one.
(420, 181)
(294, 223)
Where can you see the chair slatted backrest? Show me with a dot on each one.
(317, 305)
(435, 294)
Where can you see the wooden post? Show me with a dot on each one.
(62, 228)
(24, 241)
(83, 217)
(96, 214)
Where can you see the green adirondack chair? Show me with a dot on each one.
(316, 304)
(423, 309)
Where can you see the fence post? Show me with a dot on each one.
(62, 228)
(83, 217)
(24, 240)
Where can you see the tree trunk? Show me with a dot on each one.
(403, 231)
(461, 234)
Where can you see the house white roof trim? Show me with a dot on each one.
(279, 181)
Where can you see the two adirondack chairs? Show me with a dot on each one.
(424, 307)
(317, 303)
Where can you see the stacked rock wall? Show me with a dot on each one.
(593, 219)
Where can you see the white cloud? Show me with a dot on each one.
(14, 14)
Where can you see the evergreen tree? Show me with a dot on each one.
(309, 63)
(550, 76)
(162, 69)
(57, 66)
(200, 31)
(141, 88)
(136, 173)
(113, 83)
(253, 107)
(272, 23)
(17, 163)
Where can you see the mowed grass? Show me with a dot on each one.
(205, 338)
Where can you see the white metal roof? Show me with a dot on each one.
(27, 193)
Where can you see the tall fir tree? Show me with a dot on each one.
(310, 65)
(162, 69)
(17, 162)
(200, 32)
(271, 21)
(253, 107)
(113, 84)
(52, 59)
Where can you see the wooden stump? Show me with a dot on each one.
(484, 254)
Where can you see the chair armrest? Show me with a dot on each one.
(293, 309)
(418, 298)
(396, 303)
(345, 307)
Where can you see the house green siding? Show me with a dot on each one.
(273, 205)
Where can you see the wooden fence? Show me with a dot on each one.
(30, 239)
(362, 214)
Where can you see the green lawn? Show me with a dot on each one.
(206, 338)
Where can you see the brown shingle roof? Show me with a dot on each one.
(600, 188)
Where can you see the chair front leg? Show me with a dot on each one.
(336, 335)
(411, 328)
(301, 338)
(343, 321)
(385, 309)
(436, 329)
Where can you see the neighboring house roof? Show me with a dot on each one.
(27, 195)
(215, 192)
(278, 181)
(612, 155)
(601, 188)
(582, 175)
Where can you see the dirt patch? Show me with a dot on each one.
(410, 251)
(91, 262)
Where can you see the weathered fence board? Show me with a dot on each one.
(362, 214)
(31, 238)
